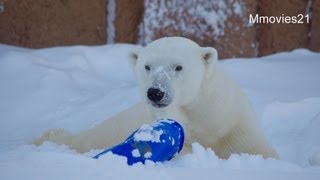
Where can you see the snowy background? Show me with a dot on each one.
(78, 87)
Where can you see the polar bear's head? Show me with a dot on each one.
(171, 70)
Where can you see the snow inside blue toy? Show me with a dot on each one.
(158, 142)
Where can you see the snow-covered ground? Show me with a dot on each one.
(77, 87)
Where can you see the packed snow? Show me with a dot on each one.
(147, 133)
(136, 153)
(78, 87)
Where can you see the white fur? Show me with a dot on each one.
(210, 106)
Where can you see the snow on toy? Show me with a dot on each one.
(158, 142)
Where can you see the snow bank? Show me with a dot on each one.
(77, 87)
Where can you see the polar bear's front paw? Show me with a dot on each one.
(54, 135)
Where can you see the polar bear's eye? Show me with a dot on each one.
(178, 68)
(147, 67)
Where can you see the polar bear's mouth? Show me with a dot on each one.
(158, 105)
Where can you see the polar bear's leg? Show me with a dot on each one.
(244, 140)
(115, 130)
(59, 136)
(109, 133)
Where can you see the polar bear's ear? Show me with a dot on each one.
(209, 54)
(133, 57)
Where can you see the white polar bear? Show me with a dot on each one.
(182, 81)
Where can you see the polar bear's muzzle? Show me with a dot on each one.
(160, 93)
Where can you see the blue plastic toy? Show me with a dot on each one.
(158, 142)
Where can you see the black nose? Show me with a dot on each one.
(155, 95)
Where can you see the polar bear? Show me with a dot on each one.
(180, 80)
